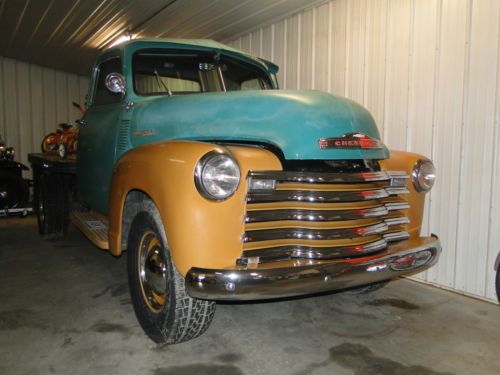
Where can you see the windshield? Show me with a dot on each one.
(161, 72)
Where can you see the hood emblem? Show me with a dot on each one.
(351, 141)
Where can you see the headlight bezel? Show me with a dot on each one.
(417, 172)
(199, 175)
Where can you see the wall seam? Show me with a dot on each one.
(386, 79)
(299, 46)
(347, 49)
(18, 109)
(329, 52)
(435, 102)
(465, 97)
(4, 116)
(494, 157)
(410, 72)
(313, 63)
(285, 41)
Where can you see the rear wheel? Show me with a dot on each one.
(497, 284)
(163, 308)
(53, 197)
(41, 210)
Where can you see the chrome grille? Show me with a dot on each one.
(322, 215)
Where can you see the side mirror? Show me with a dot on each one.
(115, 82)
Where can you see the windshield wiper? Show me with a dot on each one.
(160, 82)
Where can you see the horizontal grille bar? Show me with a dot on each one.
(397, 190)
(313, 234)
(397, 220)
(316, 196)
(396, 236)
(310, 252)
(320, 177)
(394, 206)
(315, 215)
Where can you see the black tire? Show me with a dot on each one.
(52, 204)
(40, 207)
(170, 315)
(14, 191)
(497, 284)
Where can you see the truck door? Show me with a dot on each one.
(98, 137)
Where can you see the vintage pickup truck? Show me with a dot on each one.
(221, 186)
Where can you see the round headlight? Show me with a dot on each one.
(424, 175)
(217, 176)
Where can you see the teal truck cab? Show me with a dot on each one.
(221, 186)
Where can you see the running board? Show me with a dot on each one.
(93, 225)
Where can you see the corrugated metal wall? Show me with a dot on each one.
(429, 72)
(33, 100)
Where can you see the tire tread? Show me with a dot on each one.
(186, 318)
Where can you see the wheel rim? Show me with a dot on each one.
(153, 272)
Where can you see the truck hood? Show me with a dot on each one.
(293, 121)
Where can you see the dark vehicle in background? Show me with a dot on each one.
(497, 278)
(14, 189)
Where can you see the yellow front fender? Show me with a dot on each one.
(201, 233)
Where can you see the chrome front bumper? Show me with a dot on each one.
(403, 258)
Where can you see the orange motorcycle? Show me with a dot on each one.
(64, 140)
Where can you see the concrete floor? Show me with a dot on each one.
(65, 309)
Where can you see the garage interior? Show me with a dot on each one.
(429, 73)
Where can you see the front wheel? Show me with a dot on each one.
(165, 311)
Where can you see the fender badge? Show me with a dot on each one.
(351, 141)
(144, 133)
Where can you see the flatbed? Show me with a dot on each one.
(53, 162)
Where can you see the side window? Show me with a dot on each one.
(253, 84)
(101, 94)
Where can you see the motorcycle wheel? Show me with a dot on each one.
(62, 150)
(48, 143)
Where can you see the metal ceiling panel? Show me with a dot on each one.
(67, 35)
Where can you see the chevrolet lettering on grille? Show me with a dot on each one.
(350, 141)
